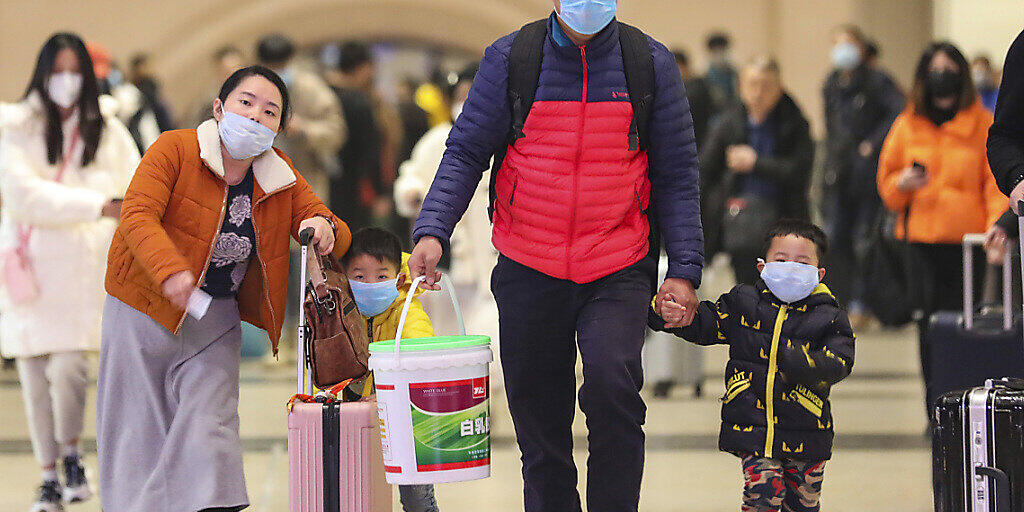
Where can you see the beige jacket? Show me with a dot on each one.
(318, 132)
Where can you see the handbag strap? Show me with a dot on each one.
(25, 233)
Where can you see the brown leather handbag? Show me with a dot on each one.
(337, 346)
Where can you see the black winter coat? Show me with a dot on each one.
(795, 362)
(859, 107)
(789, 166)
(1006, 136)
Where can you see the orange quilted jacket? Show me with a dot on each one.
(173, 212)
(961, 196)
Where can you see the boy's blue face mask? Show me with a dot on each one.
(587, 16)
(790, 281)
(373, 298)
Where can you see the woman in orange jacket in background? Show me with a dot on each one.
(213, 209)
(933, 167)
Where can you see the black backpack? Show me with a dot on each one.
(524, 63)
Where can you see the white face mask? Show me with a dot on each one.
(845, 56)
(790, 281)
(243, 137)
(980, 77)
(64, 88)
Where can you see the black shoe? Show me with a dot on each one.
(663, 388)
(76, 486)
(49, 498)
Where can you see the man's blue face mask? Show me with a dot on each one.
(587, 17)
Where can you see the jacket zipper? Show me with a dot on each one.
(263, 272)
(576, 168)
(259, 260)
(209, 254)
(773, 368)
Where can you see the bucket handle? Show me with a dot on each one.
(408, 302)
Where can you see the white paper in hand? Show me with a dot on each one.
(198, 303)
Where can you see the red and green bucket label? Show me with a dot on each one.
(451, 424)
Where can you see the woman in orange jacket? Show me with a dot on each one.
(933, 168)
(220, 203)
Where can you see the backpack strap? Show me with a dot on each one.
(524, 64)
(638, 64)
(524, 61)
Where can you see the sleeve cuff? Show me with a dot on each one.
(422, 232)
(690, 272)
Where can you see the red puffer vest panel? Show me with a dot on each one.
(571, 197)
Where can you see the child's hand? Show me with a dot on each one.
(672, 312)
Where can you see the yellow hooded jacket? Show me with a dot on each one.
(384, 326)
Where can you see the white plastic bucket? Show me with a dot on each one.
(433, 399)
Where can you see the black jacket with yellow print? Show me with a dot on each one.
(792, 353)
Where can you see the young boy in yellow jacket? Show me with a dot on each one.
(377, 271)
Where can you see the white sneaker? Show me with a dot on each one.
(76, 485)
(49, 498)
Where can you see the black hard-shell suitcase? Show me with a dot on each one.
(978, 449)
(967, 348)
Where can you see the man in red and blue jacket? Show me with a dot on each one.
(571, 201)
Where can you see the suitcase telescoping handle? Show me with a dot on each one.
(970, 241)
(447, 283)
(1020, 238)
(305, 379)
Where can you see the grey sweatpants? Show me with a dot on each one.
(54, 389)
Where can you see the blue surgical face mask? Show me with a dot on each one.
(373, 298)
(587, 16)
(243, 137)
(845, 56)
(115, 78)
(790, 281)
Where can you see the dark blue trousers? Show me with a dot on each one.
(543, 321)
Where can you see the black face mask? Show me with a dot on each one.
(943, 84)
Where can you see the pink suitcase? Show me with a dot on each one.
(334, 450)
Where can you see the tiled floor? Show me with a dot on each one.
(881, 460)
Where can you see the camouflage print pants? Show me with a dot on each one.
(774, 485)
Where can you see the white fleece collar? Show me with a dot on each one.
(272, 173)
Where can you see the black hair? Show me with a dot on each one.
(796, 227)
(236, 78)
(468, 73)
(275, 49)
(90, 121)
(920, 95)
(718, 41)
(854, 31)
(224, 51)
(353, 55)
(381, 244)
(138, 59)
(682, 58)
(871, 50)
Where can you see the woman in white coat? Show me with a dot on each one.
(473, 257)
(65, 161)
